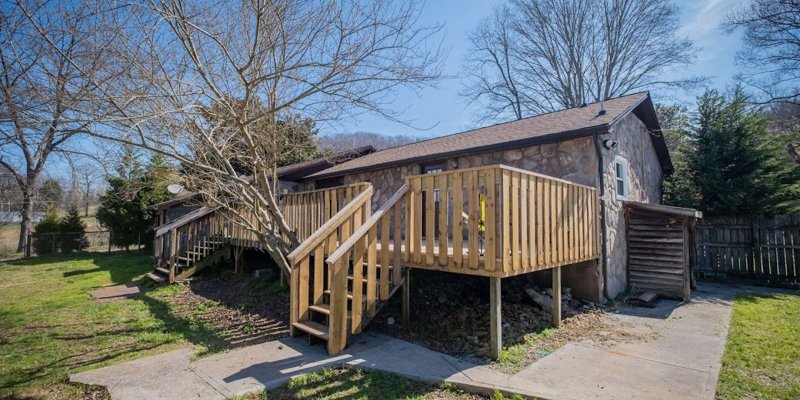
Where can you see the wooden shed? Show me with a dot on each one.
(660, 248)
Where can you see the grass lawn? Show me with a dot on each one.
(762, 357)
(50, 327)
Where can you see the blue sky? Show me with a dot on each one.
(442, 111)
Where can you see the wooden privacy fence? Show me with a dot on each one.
(750, 246)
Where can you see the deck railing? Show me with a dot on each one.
(305, 212)
(185, 238)
(498, 221)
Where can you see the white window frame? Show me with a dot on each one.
(626, 185)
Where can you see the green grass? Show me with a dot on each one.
(762, 356)
(50, 327)
(358, 384)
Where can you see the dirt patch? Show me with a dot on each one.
(241, 311)
(450, 314)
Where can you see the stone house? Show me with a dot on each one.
(615, 146)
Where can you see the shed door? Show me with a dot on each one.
(658, 253)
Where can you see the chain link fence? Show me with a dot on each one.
(40, 244)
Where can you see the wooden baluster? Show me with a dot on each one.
(358, 277)
(444, 194)
(398, 242)
(385, 257)
(515, 228)
(302, 289)
(547, 213)
(490, 236)
(372, 273)
(418, 220)
(430, 223)
(506, 221)
(458, 220)
(524, 224)
(532, 221)
(474, 216)
(319, 277)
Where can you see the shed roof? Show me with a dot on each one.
(545, 128)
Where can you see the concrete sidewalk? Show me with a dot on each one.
(683, 361)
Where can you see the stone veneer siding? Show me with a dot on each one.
(644, 177)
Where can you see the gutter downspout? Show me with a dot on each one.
(603, 229)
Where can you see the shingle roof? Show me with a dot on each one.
(550, 127)
(305, 168)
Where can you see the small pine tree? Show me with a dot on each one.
(73, 230)
(44, 242)
(124, 209)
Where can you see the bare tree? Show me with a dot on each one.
(348, 141)
(47, 64)
(772, 48)
(197, 78)
(535, 56)
(85, 177)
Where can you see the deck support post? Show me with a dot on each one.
(238, 260)
(495, 317)
(556, 296)
(406, 313)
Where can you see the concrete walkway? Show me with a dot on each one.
(683, 361)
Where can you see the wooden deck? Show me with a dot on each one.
(492, 221)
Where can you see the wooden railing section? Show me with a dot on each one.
(306, 212)
(498, 221)
(379, 280)
(310, 281)
(190, 241)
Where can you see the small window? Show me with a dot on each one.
(621, 177)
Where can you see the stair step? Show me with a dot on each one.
(312, 328)
(155, 277)
(163, 271)
(349, 295)
(321, 308)
(324, 309)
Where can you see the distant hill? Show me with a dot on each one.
(346, 141)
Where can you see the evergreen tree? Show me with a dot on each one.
(50, 194)
(124, 209)
(50, 223)
(735, 161)
(73, 232)
(678, 189)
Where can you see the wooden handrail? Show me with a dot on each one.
(328, 227)
(368, 224)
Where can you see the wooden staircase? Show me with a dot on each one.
(340, 279)
(200, 256)
(189, 244)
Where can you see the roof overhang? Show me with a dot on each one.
(662, 209)
(531, 141)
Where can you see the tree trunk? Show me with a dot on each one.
(26, 225)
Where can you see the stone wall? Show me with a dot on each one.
(644, 175)
(574, 160)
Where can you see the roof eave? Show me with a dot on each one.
(531, 141)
